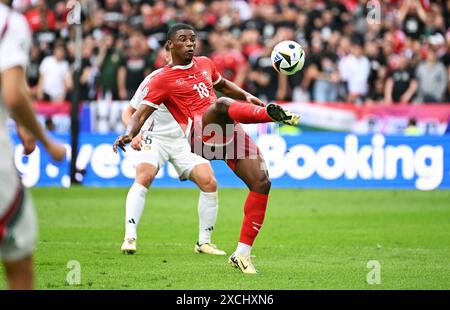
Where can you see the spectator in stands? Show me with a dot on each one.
(376, 93)
(412, 16)
(412, 129)
(237, 34)
(108, 63)
(432, 79)
(153, 24)
(133, 68)
(324, 73)
(251, 44)
(355, 70)
(55, 76)
(41, 18)
(33, 69)
(263, 79)
(377, 67)
(400, 85)
(229, 60)
(88, 71)
(42, 21)
(436, 23)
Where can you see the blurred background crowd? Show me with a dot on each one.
(361, 52)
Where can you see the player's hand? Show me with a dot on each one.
(136, 143)
(254, 100)
(56, 150)
(121, 141)
(28, 140)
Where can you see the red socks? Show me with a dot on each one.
(254, 212)
(256, 203)
(247, 113)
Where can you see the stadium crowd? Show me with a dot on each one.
(364, 52)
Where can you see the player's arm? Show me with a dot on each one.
(135, 124)
(16, 97)
(233, 91)
(151, 96)
(28, 140)
(127, 114)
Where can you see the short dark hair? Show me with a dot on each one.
(357, 40)
(59, 44)
(173, 30)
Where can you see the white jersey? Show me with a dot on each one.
(15, 43)
(161, 122)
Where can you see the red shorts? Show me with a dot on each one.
(232, 146)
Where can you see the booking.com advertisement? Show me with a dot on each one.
(310, 160)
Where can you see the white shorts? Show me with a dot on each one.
(21, 233)
(157, 150)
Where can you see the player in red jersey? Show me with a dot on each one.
(186, 86)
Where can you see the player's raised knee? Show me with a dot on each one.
(224, 102)
(221, 105)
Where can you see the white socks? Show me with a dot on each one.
(243, 249)
(207, 215)
(134, 208)
(207, 212)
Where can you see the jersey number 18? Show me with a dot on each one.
(202, 90)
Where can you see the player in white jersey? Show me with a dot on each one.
(17, 217)
(164, 141)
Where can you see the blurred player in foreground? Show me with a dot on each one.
(18, 228)
(163, 141)
(186, 87)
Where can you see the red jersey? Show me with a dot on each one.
(186, 91)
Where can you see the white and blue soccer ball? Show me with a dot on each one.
(288, 57)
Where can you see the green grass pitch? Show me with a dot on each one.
(311, 239)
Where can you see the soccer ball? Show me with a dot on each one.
(288, 57)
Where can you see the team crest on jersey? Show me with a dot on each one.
(147, 144)
(180, 81)
(205, 73)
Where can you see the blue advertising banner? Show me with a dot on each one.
(312, 160)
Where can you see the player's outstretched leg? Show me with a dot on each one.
(247, 113)
(255, 176)
(135, 203)
(203, 176)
